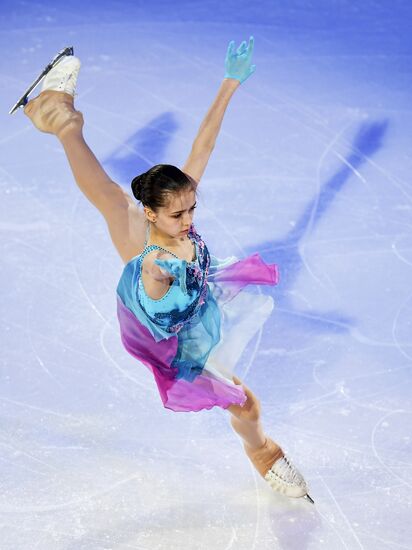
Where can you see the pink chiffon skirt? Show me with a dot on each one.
(226, 322)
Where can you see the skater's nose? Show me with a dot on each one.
(186, 219)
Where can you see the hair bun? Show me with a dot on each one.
(137, 187)
(154, 187)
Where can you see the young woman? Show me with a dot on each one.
(183, 313)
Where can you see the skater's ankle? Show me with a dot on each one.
(268, 445)
(54, 113)
(257, 446)
(264, 457)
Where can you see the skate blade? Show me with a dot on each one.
(56, 59)
(309, 498)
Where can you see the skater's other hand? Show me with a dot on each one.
(238, 63)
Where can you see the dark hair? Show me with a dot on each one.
(153, 187)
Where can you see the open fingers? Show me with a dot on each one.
(230, 48)
(246, 48)
(242, 48)
(251, 45)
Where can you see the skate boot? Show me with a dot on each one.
(282, 475)
(63, 77)
(57, 59)
(53, 111)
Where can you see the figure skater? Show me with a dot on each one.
(183, 313)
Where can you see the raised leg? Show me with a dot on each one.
(53, 112)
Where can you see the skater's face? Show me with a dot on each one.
(175, 218)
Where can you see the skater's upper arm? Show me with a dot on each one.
(197, 161)
(125, 220)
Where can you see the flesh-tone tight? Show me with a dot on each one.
(246, 422)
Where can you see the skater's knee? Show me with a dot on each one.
(253, 410)
(249, 412)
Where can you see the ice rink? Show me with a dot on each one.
(312, 169)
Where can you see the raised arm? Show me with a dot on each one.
(237, 69)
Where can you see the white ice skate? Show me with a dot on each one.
(63, 77)
(282, 475)
(285, 478)
(55, 61)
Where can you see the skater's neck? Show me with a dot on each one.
(159, 237)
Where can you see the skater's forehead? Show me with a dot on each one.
(179, 202)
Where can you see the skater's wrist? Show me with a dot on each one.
(231, 83)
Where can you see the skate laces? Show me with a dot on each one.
(283, 471)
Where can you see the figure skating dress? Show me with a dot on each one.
(192, 337)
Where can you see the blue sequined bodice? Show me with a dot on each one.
(187, 292)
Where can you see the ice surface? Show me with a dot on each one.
(312, 169)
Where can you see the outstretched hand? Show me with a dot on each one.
(238, 63)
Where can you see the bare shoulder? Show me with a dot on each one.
(154, 270)
(126, 222)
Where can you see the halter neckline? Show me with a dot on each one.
(154, 246)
